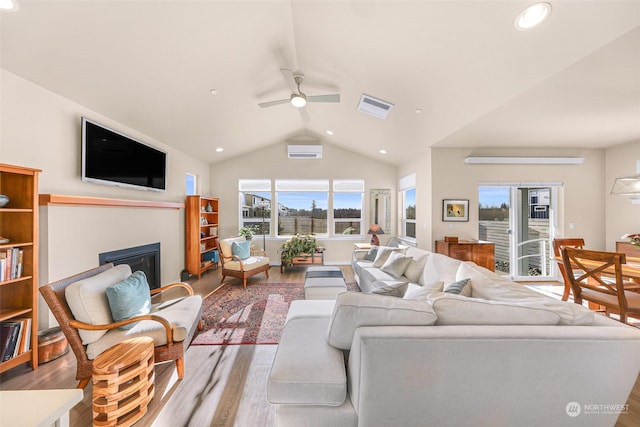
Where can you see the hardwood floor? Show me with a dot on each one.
(224, 386)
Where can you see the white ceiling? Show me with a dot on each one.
(573, 82)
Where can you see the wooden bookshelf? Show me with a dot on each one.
(19, 224)
(201, 214)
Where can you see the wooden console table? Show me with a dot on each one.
(317, 258)
(478, 251)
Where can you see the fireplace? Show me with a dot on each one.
(145, 258)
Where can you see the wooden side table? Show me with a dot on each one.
(123, 382)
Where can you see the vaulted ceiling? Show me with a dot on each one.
(150, 65)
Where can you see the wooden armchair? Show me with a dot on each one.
(235, 266)
(557, 244)
(601, 281)
(171, 324)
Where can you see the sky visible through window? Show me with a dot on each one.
(493, 196)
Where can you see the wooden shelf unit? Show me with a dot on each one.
(19, 224)
(480, 252)
(202, 232)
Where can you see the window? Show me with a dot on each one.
(408, 200)
(347, 207)
(255, 205)
(190, 185)
(302, 206)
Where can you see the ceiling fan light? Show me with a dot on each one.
(298, 101)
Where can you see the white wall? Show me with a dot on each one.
(272, 163)
(582, 200)
(40, 129)
(621, 216)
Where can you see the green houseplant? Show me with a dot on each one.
(298, 245)
(249, 231)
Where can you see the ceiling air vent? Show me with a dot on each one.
(374, 106)
(304, 151)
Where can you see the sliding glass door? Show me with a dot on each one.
(520, 219)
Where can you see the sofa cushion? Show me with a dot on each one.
(396, 264)
(129, 298)
(306, 370)
(87, 299)
(247, 264)
(181, 313)
(453, 309)
(356, 309)
(390, 289)
(439, 267)
(459, 287)
(415, 267)
(383, 255)
(370, 275)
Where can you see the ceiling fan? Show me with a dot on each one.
(299, 99)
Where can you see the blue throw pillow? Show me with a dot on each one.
(371, 255)
(129, 298)
(241, 249)
(458, 287)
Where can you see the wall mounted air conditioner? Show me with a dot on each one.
(304, 151)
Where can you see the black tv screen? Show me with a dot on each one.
(109, 157)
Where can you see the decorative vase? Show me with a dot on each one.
(3, 200)
(209, 207)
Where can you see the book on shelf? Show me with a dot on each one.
(11, 264)
(11, 339)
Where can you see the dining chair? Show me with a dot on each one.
(574, 242)
(601, 281)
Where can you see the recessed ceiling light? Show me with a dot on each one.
(213, 91)
(418, 111)
(532, 16)
(8, 4)
(329, 132)
(219, 150)
(383, 151)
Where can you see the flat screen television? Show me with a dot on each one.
(109, 157)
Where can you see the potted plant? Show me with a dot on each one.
(298, 245)
(248, 231)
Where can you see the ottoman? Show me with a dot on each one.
(323, 283)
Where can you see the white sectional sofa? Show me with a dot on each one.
(497, 354)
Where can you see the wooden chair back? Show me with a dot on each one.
(601, 280)
(574, 242)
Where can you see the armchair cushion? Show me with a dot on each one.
(241, 249)
(250, 263)
(182, 313)
(129, 298)
(225, 245)
(87, 299)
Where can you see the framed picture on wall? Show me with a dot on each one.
(455, 210)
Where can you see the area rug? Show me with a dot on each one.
(255, 315)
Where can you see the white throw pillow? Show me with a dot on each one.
(390, 288)
(421, 292)
(415, 268)
(355, 309)
(383, 255)
(87, 299)
(396, 264)
(453, 309)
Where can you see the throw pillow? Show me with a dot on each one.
(422, 292)
(356, 309)
(129, 298)
(396, 264)
(241, 249)
(391, 289)
(461, 287)
(383, 254)
(415, 268)
(371, 255)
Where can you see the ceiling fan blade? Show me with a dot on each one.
(290, 79)
(324, 98)
(272, 103)
(304, 114)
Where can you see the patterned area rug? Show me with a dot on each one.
(255, 315)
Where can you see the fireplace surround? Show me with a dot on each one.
(145, 258)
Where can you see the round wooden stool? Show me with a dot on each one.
(123, 382)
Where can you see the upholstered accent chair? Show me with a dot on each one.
(82, 307)
(239, 260)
